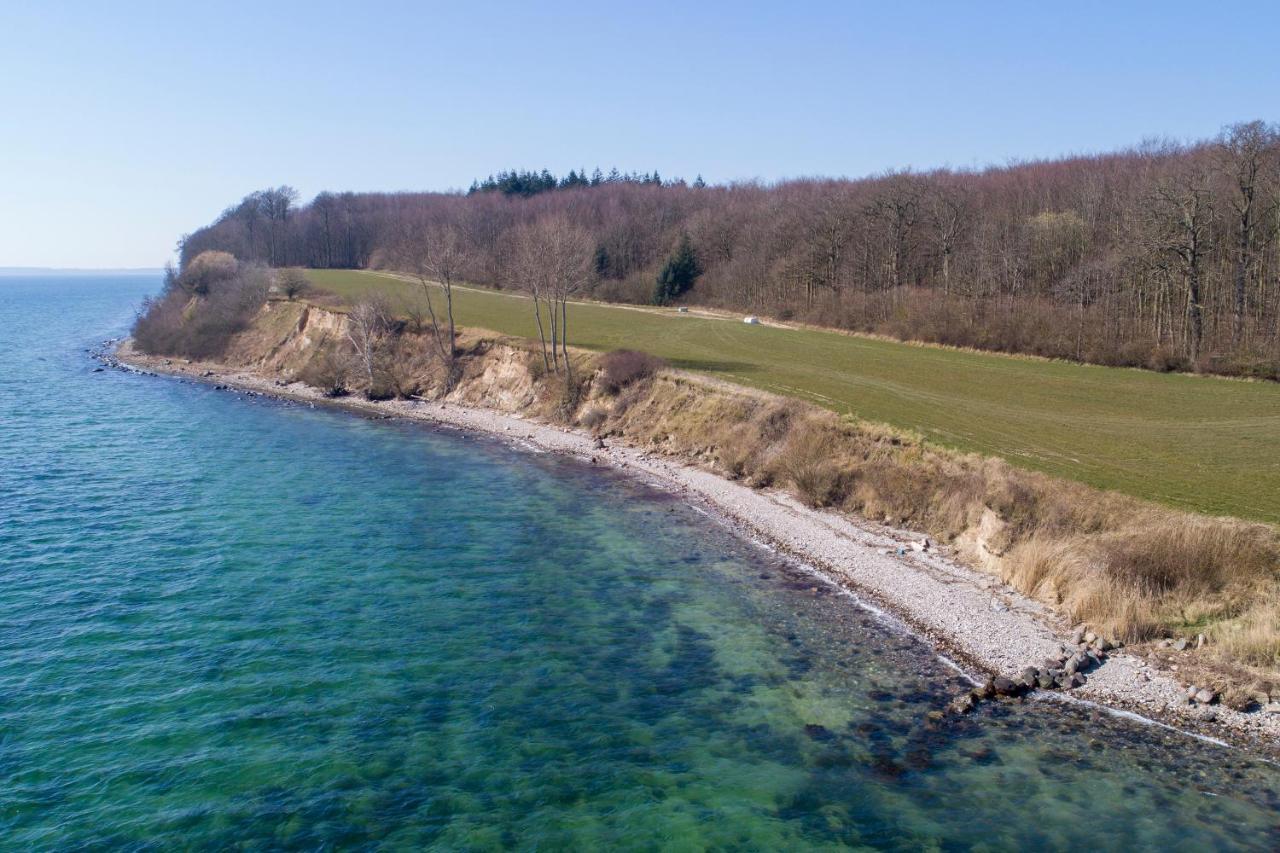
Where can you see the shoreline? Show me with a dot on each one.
(973, 620)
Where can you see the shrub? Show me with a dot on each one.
(292, 282)
(593, 418)
(1166, 360)
(200, 326)
(622, 367)
(806, 462)
(329, 371)
(207, 270)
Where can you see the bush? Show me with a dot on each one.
(183, 321)
(593, 418)
(207, 270)
(622, 367)
(1165, 360)
(329, 371)
(292, 283)
(806, 462)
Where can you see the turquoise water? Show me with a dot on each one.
(233, 622)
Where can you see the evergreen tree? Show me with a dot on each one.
(698, 183)
(678, 274)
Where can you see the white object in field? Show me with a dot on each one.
(683, 310)
(752, 320)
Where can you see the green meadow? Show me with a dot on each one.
(1198, 443)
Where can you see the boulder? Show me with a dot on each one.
(1206, 696)
(1046, 681)
(1004, 686)
(1077, 636)
(1180, 644)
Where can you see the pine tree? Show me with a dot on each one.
(678, 274)
(698, 183)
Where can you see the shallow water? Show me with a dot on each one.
(227, 621)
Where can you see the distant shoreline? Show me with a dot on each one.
(63, 272)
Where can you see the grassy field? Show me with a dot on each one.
(1198, 443)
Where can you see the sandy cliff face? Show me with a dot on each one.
(285, 336)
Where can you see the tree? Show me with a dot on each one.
(435, 253)
(207, 270)
(1183, 213)
(678, 274)
(1244, 148)
(292, 282)
(554, 263)
(366, 326)
(948, 214)
(897, 208)
(276, 205)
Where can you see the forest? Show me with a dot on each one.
(1164, 256)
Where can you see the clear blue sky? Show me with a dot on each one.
(124, 125)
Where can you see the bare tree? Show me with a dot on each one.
(554, 263)
(897, 208)
(530, 273)
(276, 205)
(1183, 211)
(292, 282)
(1244, 148)
(367, 325)
(443, 258)
(947, 206)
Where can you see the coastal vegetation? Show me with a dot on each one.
(1165, 256)
(204, 305)
(1135, 570)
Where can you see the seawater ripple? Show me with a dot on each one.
(230, 622)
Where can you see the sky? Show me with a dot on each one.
(124, 125)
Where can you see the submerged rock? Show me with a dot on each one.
(818, 732)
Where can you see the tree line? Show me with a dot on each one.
(1165, 255)
(527, 183)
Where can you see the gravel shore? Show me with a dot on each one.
(984, 626)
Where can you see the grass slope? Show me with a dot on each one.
(1203, 444)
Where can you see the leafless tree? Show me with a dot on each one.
(1245, 148)
(554, 263)
(947, 205)
(435, 254)
(292, 282)
(367, 326)
(1183, 211)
